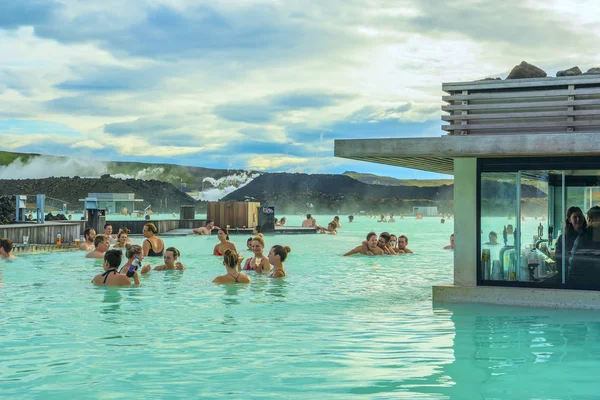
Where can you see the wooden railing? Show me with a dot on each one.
(520, 106)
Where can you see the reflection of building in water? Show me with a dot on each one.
(517, 148)
(512, 353)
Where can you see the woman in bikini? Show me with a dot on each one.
(259, 262)
(111, 276)
(230, 261)
(277, 256)
(153, 246)
(171, 256)
(223, 244)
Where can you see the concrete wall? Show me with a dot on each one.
(465, 221)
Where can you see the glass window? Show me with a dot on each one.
(539, 223)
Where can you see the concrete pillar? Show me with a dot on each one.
(465, 221)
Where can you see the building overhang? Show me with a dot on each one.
(437, 154)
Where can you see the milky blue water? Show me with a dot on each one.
(334, 328)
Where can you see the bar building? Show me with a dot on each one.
(522, 153)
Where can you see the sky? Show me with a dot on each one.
(260, 84)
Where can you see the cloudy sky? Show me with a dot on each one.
(260, 84)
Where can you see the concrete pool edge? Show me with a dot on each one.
(512, 296)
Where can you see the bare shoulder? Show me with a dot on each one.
(244, 278)
(160, 267)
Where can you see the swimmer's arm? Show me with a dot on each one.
(136, 278)
(179, 266)
(355, 250)
(146, 247)
(147, 268)
(158, 268)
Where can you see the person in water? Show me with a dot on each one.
(223, 244)
(89, 235)
(451, 245)
(171, 256)
(122, 239)
(277, 256)
(309, 222)
(110, 277)
(259, 262)
(368, 247)
(132, 252)
(6, 246)
(402, 243)
(101, 244)
(153, 246)
(207, 229)
(230, 261)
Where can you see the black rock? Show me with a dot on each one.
(569, 72)
(592, 71)
(526, 70)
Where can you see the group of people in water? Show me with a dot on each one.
(116, 275)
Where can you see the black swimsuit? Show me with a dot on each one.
(151, 252)
(235, 277)
(105, 275)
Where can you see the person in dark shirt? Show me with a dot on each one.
(574, 225)
(584, 264)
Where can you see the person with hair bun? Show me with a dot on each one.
(171, 256)
(110, 277)
(132, 252)
(277, 256)
(224, 243)
(122, 239)
(153, 246)
(259, 262)
(230, 261)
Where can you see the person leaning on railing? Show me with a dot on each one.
(585, 259)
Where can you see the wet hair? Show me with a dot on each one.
(275, 220)
(147, 217)
(230, 258)
(208, 221)
(257, 228)
(151, 227)
(336, 218)
(371, 234)
(281, 251)
(107, 225)
(385, 236)
(249, 239)
(282, 219)
(131, 250)
(124, 231)
(593, 213)
(86, 232)
(392, 235)
(403, 236)
(6, 244)
(452, 235)
(173, 250)
(225, 232)
(114, 258)
(99, 239)
(259, 240)
(308, 216)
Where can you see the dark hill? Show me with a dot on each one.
(332, 193)
(153, 192)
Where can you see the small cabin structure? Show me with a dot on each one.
(425, 211)
(522, 152)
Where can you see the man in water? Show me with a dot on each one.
(207, 229)
(402, 243)
(384, 243)
(451, 245)
(6, 246)
(89, 234)
(368, 247)
(309, 222)
(102, 244)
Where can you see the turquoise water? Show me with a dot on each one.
(335, 327)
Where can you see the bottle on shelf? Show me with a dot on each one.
(58, 239)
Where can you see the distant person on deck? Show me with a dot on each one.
(206, 229)
(493, 236)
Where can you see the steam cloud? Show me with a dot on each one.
(46, 167)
